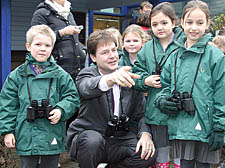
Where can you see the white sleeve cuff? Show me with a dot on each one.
(102, 84)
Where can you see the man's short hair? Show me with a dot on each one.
(146, 4)
(99, 37)
(40, 29)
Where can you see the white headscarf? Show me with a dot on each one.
(62, 10)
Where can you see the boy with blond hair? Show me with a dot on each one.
(36, 100)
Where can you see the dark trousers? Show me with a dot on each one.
(223, 153)
(93, 149)
(191, 163)
(47, 161)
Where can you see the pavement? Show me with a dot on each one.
(66, 162)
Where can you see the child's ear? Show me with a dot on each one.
(93, 58)
(209, 22)
(27, 45)
(182, 23)
(174, 23)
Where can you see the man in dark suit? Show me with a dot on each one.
(110, 126)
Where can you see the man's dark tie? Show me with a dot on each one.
(113, 103)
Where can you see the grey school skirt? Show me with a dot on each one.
(160, 135)
(190, 150)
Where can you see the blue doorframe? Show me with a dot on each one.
(5, 43)
(124, 11)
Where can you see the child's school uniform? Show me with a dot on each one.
(191, 132)
(38, 137)
(125, 59)
(151, 54)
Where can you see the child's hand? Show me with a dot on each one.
(55, 116)
(9, 140)
(153, 81)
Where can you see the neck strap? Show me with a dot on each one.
(196, 73)
(160, 64)
(28, 88)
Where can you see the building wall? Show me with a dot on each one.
(22, 10)
(215, 6)
(21, 15)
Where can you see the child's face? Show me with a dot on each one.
(40, 48)
(162, 26)
(132, 43)
(194, 25)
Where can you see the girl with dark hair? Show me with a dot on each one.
(193, 95)
(149, 64)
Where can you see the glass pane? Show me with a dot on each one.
(102, 22)
(109, 10)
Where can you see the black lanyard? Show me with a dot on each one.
(111, 112)
(28, 88)
(160, 64)
(196, 73)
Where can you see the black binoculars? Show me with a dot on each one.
(177, 99)
(157, 71)
(185, 103)
(117, 126)
(38, 111)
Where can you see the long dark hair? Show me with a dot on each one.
(167, 9)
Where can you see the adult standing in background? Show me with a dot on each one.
(145, 6)
(68, 50)
(143, 20)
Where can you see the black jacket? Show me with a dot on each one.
(67, 50)
(95, 108)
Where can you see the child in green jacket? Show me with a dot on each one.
(193, 92)
(149, 64)
(133, 39)
(36, 100)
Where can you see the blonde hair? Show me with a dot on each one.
(117, 34)
(219, 41)
(40, 29)
(135, 29)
